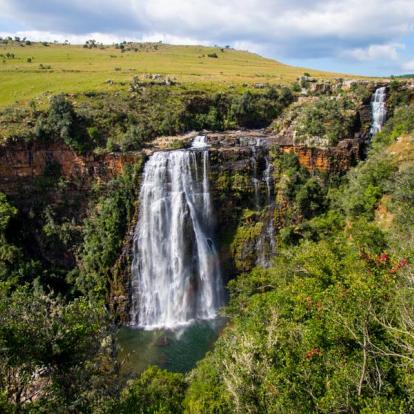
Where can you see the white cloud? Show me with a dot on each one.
(374, 52)
(366, 30)
(408, 66)
(105, 38)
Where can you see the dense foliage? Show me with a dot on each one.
(327, 328)
(154, 392)
(104, 232)
(128, 121)
(326, 121)
(55, 357)
(58, 351)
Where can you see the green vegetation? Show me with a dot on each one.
(327, 328)
(326, 121)
(155, 392)
(244, 242)
(54, 356)
(39, 67)
(60, 122)
(103, 234)
(58, 350)
(129, 121)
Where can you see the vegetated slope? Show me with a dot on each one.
(29, 70)
(329, 327)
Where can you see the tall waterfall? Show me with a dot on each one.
(266, 245)
(379, 110)
(175, 272)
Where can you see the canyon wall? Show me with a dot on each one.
(22, 162)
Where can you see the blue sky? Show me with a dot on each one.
(371, 37)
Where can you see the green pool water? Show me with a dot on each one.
(177, 350)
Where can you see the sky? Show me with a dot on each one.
(367, 37)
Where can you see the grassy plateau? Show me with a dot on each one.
(26, 71)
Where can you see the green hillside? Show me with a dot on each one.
(27, 70)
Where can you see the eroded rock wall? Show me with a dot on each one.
(21, 163)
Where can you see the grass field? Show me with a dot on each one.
(36, 69)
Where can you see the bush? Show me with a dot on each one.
(326, 120)
(367, 184)
(132, 140)
(285, 342)
(259, 110)
(53, 351)
(310, 198)
(156, 391)
(61, 122)
(401, 123)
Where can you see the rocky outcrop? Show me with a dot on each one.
(336, 159)
(332, 159)
(21, 163)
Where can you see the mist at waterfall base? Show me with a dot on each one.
(176, 287)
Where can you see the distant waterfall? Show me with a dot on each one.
(266, 243)
(175, 272)
(379, 110)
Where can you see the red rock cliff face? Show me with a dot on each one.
(20, 163)
(335, 159)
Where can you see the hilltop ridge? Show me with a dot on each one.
(28, 69)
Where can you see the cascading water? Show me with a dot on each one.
(255, 180)
(266, 243)
(176, 275)
(379, 110)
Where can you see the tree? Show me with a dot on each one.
(61, 122)
(54, 354)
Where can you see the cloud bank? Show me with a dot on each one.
(348, 30)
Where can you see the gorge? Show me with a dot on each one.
(247, 265)
(176, 270)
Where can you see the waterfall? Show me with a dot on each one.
(175, 272)
(255, 180)
(200, 142)
(379, 110)
(271, 204)
(266, 244)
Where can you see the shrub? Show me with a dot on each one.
(61, 122)
(401, 123)
(156, 391)
(55, 351)
(132, 140)
(104, 232)
(367, 184)
(326, 119)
